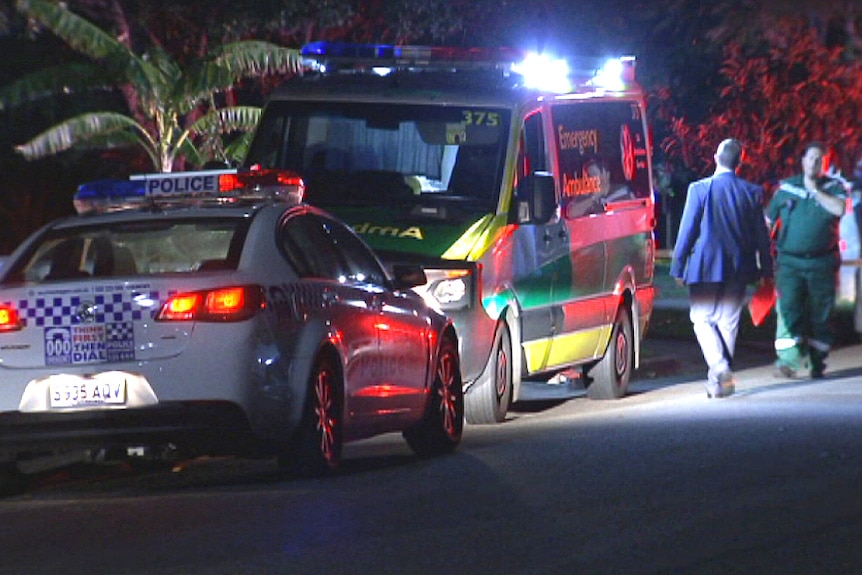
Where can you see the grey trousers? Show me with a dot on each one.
(714, 312)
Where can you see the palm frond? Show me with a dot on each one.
(237, 150)
(231, 62)
(121, 66)
(256, 57)
(68, 78)
(83, 128)
(191, 153)
(227, 120)
(77, 32)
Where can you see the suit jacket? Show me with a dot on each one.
(723, 234)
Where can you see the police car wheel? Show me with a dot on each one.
(317, 444)
(489, 401)
(440, 430)
(610, 376)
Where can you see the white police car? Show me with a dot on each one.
(210, 313)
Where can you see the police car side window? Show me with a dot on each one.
(309, 249)
(358, 261)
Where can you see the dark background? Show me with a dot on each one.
(680, 46)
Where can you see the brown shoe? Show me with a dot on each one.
(725, 387)
(785, 371)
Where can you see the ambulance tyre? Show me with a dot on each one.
(489, 402)
(610, 376)
(316, 446)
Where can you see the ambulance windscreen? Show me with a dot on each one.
(360, 154)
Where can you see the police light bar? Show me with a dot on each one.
(188, 189)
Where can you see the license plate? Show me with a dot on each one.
(87, 392)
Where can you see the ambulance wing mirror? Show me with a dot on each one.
(537, 199)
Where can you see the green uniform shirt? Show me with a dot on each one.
(807, 230)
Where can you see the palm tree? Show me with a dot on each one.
(170, 108)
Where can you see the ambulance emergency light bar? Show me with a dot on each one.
(189, 189)
(537, 70)
(387, 55)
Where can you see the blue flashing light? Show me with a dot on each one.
(103, 189)
(350, 50)
(108, 195)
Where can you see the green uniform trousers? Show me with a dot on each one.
(806, 298)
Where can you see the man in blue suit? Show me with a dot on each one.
(722, 246)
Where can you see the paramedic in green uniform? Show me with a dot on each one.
(808, 207)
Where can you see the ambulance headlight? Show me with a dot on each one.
(448, 290)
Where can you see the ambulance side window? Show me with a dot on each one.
(602, 151)
(533, 152)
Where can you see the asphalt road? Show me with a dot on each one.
(663, 481)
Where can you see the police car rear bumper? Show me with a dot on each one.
(194, 428)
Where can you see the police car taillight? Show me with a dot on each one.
(218, 305)
(9, 319)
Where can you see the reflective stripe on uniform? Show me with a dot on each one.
(818, 345)
(785, 343)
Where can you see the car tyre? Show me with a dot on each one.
(489, 402)
(316, 446)
(441, 427)
(611, 375)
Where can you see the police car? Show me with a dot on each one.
(215, 313)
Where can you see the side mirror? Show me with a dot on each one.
(406, 276)
(537, 199)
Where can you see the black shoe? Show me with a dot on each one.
(817, 374)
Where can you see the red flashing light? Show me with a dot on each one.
(219, 305)
(258, 178)
(9, 319)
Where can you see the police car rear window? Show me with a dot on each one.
(132, 249)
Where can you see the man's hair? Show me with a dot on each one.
(814, 146)
(729, 153)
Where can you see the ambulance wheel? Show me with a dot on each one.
(610, 376)
(317, 444)
(489, 402)
(440, 430)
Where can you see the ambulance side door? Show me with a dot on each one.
(542, 255)
(583, 177)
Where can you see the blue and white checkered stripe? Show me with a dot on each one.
(61, 310)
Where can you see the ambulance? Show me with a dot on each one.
(522, 185)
